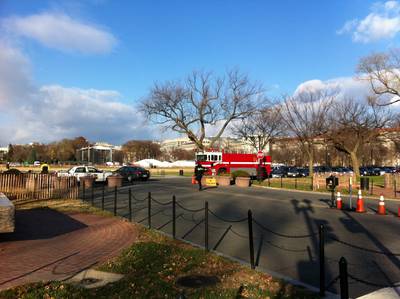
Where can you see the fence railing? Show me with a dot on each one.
(28, 186)
(178, 208)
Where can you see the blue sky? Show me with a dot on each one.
(99, 50)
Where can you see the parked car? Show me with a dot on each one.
(389, 169)
(304, 172)
(369, 171)
(293, 172)
(278, 172)
(82, 170)
(131, 173)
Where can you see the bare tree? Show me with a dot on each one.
(261, 127)
(355, 124)
(382, 70)
(202, 99)
(305, 115)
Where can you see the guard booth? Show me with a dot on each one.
(332, 182)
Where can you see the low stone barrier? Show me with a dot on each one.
(7, 215)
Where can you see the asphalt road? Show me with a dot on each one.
(367, 241)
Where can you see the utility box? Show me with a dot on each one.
(364, 183)
(332, 182)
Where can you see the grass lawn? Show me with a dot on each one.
(152, 266)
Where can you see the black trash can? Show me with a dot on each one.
(181, 172)
(364, 183)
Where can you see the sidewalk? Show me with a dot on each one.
(50, 245)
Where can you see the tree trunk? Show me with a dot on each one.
(311, 164)
(355, 163)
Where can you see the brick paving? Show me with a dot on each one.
(50, 245)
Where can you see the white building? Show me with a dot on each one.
(227, 143)
(100, 152)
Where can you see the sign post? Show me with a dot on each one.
(260, 155)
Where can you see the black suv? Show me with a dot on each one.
(131, 173)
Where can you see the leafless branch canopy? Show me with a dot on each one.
(202, 99)
(306, 116)
(382, 70)
(261, 127)
(354, 124)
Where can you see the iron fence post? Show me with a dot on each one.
(115, 200)
(130, 203)
(295, 183)
(251, 240)
(281, 182)
(149, 208)
(174, 216)
(394, 187)
(102, 197)
(371, 190)
(206, 225)
(84, 190)
(344, 284)
(92, 195)
(321, 261)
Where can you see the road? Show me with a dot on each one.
(370, 246)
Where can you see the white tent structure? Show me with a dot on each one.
(152, 163)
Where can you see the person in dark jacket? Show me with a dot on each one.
(198, 172)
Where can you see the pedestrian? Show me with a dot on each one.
(198, 172)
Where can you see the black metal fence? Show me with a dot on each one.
(89, 194)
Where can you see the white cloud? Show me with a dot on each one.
(59, 31)
(52, 112)
(14, 76)
(382, 23)
(346, 87)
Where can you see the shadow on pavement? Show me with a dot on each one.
(41, 223)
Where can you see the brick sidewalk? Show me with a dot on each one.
(50, 245)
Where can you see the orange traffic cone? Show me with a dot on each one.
(381, 207)
(338, 201)
(194, 181)
(360, 203)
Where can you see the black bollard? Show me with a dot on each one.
(344, 284)
(251, 240)
(206, 225)
(321, 261)
(115, 200)
(149, 209)
(174, 216)
(130, 204)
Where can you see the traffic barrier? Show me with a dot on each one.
(339, 201)
(381, 207)
(360, 203)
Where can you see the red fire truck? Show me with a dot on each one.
(219, 162)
